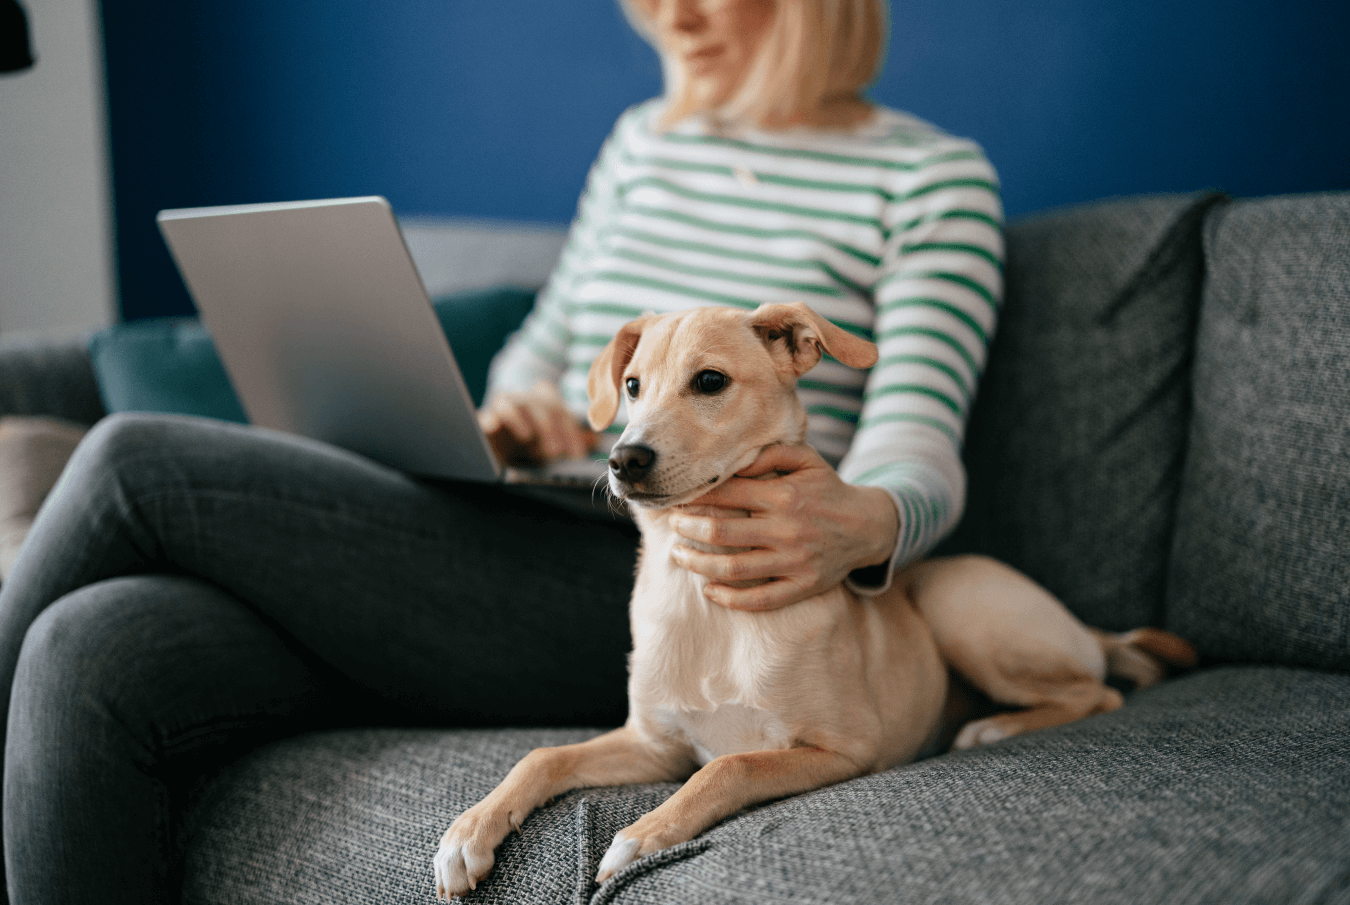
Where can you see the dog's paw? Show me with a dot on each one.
(979, 732)
(643, 838)
(466, 853)
(622, 852)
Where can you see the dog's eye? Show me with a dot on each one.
(632, 385)
(710, 381)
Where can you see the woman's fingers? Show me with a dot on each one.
(780, 458)
(549, 435)
(533, 426)
(570, 440)
(730, 532)
(769, 596)
(511, 418)
(751, 565)
(749, 494)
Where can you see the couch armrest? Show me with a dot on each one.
(48, 377)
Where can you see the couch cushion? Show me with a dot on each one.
(1261, 568)
(1228, 786)
(48, 377)
(356, 816)
(163, 365)
(33, 453)
(1231, 785)
(171, 364)
(1075, 443)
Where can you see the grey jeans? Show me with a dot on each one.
(193, 588)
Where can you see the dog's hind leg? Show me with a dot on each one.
(616, 758)
(1012, 640)
(1064, 705)
(1144, 654)
(724, 786)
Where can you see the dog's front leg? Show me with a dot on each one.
(615, 758)
(724, 786)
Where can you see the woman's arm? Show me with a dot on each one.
(937, 301)
(538, 350)
(524, 416)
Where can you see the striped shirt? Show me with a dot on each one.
(891, 230)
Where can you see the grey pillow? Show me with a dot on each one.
(1075, 444)
(33, 452)
(1261, 568)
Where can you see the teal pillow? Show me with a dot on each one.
(477, 324)
(162, 365)
(171, 365)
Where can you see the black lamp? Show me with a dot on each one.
(15, 51)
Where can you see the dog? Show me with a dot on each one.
(746, 707)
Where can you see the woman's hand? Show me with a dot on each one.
(806, 531)
(532, 427)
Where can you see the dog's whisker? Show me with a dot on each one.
(612, 501)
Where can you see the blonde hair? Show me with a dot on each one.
(814, 51)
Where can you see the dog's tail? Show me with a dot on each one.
(1142, 656)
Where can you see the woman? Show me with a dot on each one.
(193, 588)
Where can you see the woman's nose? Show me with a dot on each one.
(680, 15)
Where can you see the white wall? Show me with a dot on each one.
(56, 249)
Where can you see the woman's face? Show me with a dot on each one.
(714, 40)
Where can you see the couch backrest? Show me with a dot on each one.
(1261, 566)
(48, 377)
(1075, 446)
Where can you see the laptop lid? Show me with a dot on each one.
(326, 331)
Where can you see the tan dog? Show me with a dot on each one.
(750, 707)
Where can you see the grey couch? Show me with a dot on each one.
(1162, 437)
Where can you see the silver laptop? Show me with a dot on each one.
(326, 331)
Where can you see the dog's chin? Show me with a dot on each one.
(656, 501)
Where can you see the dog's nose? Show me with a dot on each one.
(631, 463)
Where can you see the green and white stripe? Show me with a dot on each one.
(892, 231)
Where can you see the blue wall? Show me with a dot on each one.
(495, 109)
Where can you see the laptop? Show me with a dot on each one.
(326, 331)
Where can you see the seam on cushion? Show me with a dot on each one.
(642, 866)
(1214, 214)
(583, 835)
(1164, 254)
(1167, 255)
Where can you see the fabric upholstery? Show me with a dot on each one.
(1231, 785)
(278, 826)
(33, 452)
(1075, 444)
(1261, 569)
(45, 377)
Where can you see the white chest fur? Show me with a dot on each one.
(723, 681)
(726, 729)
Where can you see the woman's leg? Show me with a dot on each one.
(460, 603)
(456, 604)
(125, 691)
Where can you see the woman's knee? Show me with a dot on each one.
(146, 659)
(85, 648)
(121, 442)
(70, 676)
(107, 652)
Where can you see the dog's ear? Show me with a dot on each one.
(602, 382)
(798, 336)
